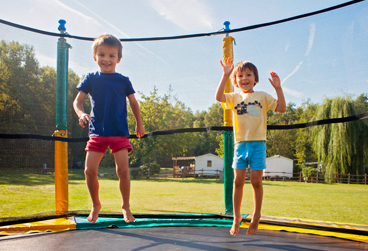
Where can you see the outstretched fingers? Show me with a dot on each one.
(227, 65)
(275, 80)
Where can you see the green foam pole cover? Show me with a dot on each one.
(228, 171)
(62, 84)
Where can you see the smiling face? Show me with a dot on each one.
(107, 57)
(245, 76)
(245, 80)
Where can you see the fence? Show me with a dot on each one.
(317, 177)
(189, 171)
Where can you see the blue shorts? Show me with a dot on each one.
(250, 153)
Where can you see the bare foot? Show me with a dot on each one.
(128, 216)
(253, 227)
(235, 228)
(93, 215)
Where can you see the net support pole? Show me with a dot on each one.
(227, 51)
(61, 148)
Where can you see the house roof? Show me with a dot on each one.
(182, 158)
(279, 156)
(209, 155)
(189, 158)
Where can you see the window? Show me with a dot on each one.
(209, 163)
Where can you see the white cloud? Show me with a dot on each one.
(289, 91)
(119, 31)
(292, 73)
(312, 31)
(189, 15)
(45, 60)
(293, 93)
(102, 19)
(53, 10)
(287, 47)
(72, 11)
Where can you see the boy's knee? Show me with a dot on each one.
(239, 182)
(256, 183)
(122, 173)
(90, 172)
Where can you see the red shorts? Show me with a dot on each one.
(100, 144)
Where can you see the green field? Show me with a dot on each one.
(26, 194)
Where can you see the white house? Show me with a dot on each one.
(278, 166)
(208, 164)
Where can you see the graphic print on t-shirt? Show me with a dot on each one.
(252, 108)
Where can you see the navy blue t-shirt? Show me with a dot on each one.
(108, 93)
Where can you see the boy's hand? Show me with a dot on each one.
(140, 131)
(275, 81)
(227, 66)
(84, 119)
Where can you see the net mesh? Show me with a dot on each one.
(317, 57)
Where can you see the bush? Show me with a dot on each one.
(135, 173)
(307, 172)
(154, 168)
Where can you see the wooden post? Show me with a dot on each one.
(365, 179)
(349, 178)
(317, 178)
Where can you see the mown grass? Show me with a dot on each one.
(23, 193)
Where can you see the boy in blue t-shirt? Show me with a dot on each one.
(108, 126)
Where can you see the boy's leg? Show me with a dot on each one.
(256, 181)
(90, 171)
(122, 170)
(239, 180)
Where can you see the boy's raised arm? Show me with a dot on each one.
(227, 67)
(275, 81)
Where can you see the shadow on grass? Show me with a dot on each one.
(180, 180)
(27, 178)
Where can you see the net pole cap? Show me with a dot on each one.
(61, 27)
(227, 26)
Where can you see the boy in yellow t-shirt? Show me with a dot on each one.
(250, 128)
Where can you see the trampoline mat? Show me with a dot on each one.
(174, 238)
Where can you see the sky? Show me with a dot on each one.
(316, 57)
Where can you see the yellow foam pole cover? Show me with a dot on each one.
(61, 174)
(227, 51)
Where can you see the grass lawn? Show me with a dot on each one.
(26, 194)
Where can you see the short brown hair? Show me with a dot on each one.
(109, 40)
(241, 66)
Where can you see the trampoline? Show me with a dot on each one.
(180, 238)
(183, 232)
(69, 230)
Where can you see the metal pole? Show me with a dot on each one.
(61, 148)
(227, 50)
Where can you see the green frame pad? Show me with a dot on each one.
(105, 222)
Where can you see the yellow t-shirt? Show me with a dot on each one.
(250, 114)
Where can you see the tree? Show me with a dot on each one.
(209, 142)
(20, 90)
(342, 147)
(27, 105)
(23, 107)
(303, 143)
(158, 114)
(282, 142)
